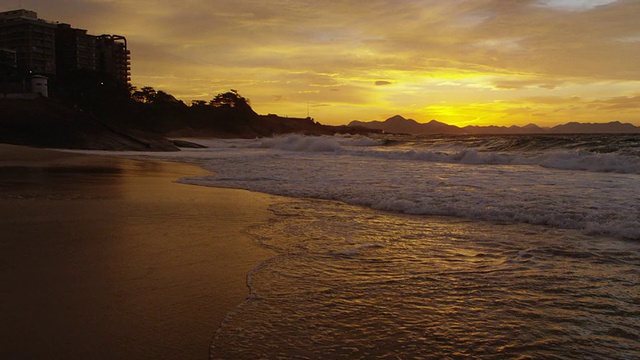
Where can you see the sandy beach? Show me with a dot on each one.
(108, 258)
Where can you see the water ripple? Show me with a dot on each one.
(351, 283)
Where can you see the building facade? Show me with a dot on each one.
(32, 39)
(114, 58)
(30, 46)
(75, 50)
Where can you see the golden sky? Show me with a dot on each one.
(462, 62)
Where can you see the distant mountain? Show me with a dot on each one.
(398, 124)
(595, 128)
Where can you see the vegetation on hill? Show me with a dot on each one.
(90, 111)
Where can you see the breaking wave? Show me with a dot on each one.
(557, 153)
(513, 187)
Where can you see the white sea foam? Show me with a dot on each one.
(352, 283)
(509, 187)
(599, 195)
(348, 282)
(301, 143)
(361, 146)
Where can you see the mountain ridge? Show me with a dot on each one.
(399, 124)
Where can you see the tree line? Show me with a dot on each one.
(90, 89)
(229, 99)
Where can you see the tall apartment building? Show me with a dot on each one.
(114, 58)
(32, 39)
(58, 50)
(75, 50)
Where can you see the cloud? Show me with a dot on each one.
(522, 36)
(574, 5)
(514, 84)
(552, 100)
(618, 103)
(289, 47)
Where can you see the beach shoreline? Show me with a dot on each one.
(108, 258)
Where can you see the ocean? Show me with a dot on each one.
(436, 247)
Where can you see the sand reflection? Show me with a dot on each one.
(110, 258)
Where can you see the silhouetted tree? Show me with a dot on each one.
(137, 96)
(198, 103)
(149, 95)
(145, 95)
(230, 99)
(163, 97)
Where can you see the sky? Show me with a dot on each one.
(462, 62)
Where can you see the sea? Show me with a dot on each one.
(436, 247)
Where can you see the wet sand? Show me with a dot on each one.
(107, 258)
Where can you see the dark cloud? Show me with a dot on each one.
(383, 83)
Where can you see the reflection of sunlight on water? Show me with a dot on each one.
(355, 283)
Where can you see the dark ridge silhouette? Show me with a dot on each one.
(399, 125)
(45, 123)
(93, 112)
(595, 128)
(90, 110)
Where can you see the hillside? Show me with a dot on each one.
(123, 124)
(44, 123)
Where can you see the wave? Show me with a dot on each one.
(556, 216)
(352, 252)
(300, 143)
(479, 154)
(303, 143)
(519, 205)
(597, 143)
(592, 202)
(561, 160)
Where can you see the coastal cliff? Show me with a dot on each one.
(45, 123)
(123, 124)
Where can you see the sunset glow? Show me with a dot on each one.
(473, 62)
